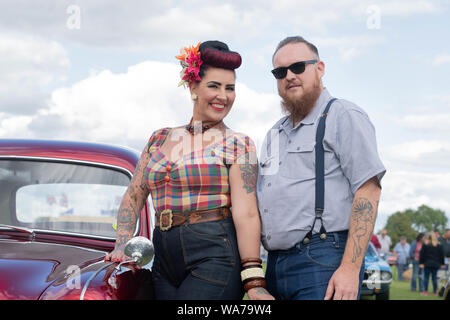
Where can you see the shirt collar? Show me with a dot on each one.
(311, 118)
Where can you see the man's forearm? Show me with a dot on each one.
(362, 221)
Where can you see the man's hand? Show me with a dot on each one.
(344, 284)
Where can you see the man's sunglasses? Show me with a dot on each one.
(297, 68)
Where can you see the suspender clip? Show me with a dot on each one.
(319, 213)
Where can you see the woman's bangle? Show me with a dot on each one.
(252, 266)
(250, 273)
(247, 260)
(255, 283)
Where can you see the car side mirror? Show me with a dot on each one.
(140, 250)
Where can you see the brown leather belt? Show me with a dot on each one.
(167, 219)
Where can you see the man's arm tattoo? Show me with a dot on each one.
(363, 215)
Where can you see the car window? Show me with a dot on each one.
(66, 197)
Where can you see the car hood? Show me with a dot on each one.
(376, 262)
(28, 268)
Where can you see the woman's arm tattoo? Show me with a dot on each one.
(249, 174)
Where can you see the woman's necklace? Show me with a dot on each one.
(198, 127)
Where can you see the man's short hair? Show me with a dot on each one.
(296, 39)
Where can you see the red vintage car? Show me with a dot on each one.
(58, 208)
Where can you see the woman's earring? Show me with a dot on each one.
(194, 96)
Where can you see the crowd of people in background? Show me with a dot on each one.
(428, 253)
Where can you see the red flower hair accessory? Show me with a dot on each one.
(191, 61)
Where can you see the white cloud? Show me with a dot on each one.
(408, 7)
(15, 126)
(187, 23)
(435, 122)
(119, 107)
(350, 46)
(254, 113)
(419, 156)
(148, 25)
(27, 64)
(409, 189)
(441, 59)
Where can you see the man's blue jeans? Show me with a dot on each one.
(417, 275)
(303, 272)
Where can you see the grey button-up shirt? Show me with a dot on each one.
(286, 179)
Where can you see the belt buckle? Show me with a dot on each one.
(170, 219)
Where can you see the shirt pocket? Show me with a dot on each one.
(299, 162)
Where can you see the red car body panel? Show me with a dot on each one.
(37, 267)
(92, 152)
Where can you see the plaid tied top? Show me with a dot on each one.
(198, 180)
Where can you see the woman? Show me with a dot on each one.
(431, 259)
(414, 253)
(194, 173)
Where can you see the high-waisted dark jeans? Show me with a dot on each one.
(197, 262)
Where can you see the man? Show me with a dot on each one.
(401, 251)
(385, 242)
(446, 248)
(446, 243)
(315, 247)
(414, 254)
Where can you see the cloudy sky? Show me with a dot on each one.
(105, 71)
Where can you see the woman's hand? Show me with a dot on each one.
(421, 266)
(117, 255)
(259, 293)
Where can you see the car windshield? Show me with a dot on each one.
(67, 197)
(371, 251)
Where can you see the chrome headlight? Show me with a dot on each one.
(386, 275)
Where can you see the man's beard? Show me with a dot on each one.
(299, 107)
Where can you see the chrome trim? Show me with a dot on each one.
(377, 281)
(86, 285)
(97, 164)
(20, 229)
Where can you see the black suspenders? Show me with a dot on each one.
(320, 176)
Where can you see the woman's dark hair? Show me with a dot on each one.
(217, 54)
(420, 236)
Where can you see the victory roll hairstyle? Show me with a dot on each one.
(196, 60)
(217, 54)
